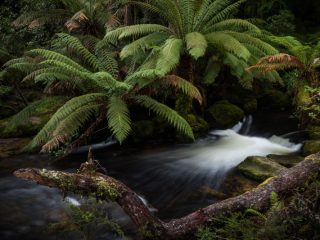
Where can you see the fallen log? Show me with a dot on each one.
(89, 182)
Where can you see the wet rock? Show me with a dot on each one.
(286, 160)
(198, 124)
(236, 184)
(259, 168)
(224, 114)
(311, 147)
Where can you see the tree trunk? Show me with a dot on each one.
(87, 182)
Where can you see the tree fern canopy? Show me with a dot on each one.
(197, 28)
(99, 91)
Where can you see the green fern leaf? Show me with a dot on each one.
(196, 44)
(167, 113)
(119, 118)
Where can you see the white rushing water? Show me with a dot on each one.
(223, 150)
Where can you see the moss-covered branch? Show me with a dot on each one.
(105, 187)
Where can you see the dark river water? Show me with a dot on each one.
(167, 177)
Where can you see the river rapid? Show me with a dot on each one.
(168, 178)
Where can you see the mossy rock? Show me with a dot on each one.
(32, 124)
(314, 132)
(303, 97)
(224, 114)
(198, 124)
(236, 184)
(311, 147)
(286, 160)
(244, 99)
(275, 99)
(259, 168)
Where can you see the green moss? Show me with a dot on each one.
(105, 190)
(198, 124)
(224, 114)
(183, 104)
(311, 147)
(286, 160)
(302, 97)
(259, 168)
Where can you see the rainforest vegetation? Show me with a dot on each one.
(152, 73)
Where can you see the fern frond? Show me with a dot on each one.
(196, 44)
(70, 127)
(143, 43)
(226, 43)
(107, 62)
(107, 81)
(186, 87)
(143, 77)
(170, 115)
(68, 108)
(24, 115)
(119, 118)
(233, 24)
(51, 55)
(134, 31)
(247, 39)
(76, 45)
(276, 62)
(169, 55)
(223, 14)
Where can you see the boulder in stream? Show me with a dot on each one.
(224, 114)
(310, 147)
(260, 168)
(286, 160)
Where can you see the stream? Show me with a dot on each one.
(167, 178)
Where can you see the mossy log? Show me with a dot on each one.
(105, 187)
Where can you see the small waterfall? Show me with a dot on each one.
(181, 172)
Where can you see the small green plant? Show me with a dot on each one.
(296, 216)
(89, 220)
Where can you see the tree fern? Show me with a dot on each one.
(195, 27)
